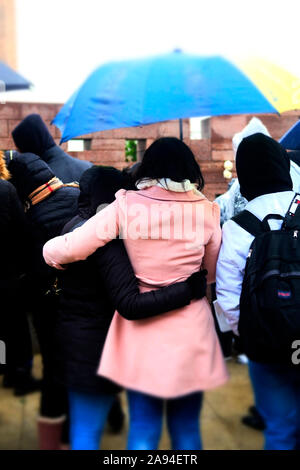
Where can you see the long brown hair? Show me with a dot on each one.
(4, 173)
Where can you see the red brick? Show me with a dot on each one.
(136, 133)
(100, 155)
(86, 136)
(211, 191)
(10, 111)
(57, 132)
(222, 145)
(200, 148)
(224, 127)
(149, 142)
(108, 147)
(212, 165)
(64, 146)
(109, 155)
(6, 143)
(172, 129)
(296, 112)
(130, 133)
(12, 123)
(3, 128)
(105, 135)
(108, 144)
(213, 172)
(150, 131)
(222, 155)
(51, 129)
(57, 107)
(213, 177)
(278, 125)
(47, 111)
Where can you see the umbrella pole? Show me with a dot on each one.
(180, 129)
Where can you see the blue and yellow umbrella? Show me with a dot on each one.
(175, 86)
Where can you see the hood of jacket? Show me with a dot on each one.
(28, 172)
(254, 126)
(263, 167)
(32, 135)
(98, 186)
(295, 156)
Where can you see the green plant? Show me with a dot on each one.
(131, 151)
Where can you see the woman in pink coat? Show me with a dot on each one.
(170, 230)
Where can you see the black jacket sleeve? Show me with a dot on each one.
(20, 229)
(118, 276)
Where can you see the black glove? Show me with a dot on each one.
(198, 283)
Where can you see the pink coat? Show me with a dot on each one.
(176, 353)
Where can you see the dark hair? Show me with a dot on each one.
(169, 157)
(99, 184)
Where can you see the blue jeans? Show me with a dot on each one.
(277, 396)
(88, 414)
(146, 417)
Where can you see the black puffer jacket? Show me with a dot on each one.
(91, 290)
(64, 166)
(295, 156)
(14, 237)
(50, 215)
(15, 256)
(32, 135)
(47, 218)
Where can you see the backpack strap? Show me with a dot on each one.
(265, 221)
(293, 213)
(249, 222)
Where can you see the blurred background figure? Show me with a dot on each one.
(15, 257)
(49, 205)
(231, 204)
(33, 136)
(275, 382)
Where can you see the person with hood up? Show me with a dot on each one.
(32, 136)
(49, 202)
(169, 359)
(263, 170)
(232, 202)
(15, 256)
(90, 291)
(49, 205)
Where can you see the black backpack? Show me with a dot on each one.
(270, 299)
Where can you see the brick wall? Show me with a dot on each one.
(108, 147)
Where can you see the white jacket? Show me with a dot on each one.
(295, 175)
(235, 248)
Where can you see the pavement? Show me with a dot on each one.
(220, 422)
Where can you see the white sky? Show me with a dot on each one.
(61, 41)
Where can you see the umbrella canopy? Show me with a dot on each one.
(11, 79)
(173, 86)
(291, 139)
